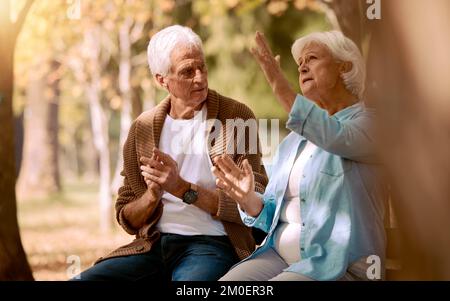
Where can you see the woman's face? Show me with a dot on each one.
(319, 71)
(188, 76)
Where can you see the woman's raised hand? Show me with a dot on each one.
(270, 66)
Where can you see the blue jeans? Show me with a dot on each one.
(174, 257)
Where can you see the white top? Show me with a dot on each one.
(185, 141)
(287, 233)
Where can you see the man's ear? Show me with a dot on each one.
(345, 67)
(161, 80)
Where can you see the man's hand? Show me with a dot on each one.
(138, 212)
(237, 184)
(155, 190)
(163, 170)
(152, 187)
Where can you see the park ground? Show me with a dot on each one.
(56, 228)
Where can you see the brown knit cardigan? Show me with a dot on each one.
(145, 133)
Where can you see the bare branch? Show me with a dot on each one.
(21, 17)
(4, 12)
(139, 60)
(327, 8)
(136, 32)
(326, 3)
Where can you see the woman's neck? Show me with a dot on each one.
(337, 101)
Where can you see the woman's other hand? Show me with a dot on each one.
(238, 184)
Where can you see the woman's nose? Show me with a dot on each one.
(303, 68)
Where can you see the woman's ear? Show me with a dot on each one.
(161, 80)
(345, 67)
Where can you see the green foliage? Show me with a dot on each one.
(232, 69)
(227, 29)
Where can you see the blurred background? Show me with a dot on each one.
(74, 74)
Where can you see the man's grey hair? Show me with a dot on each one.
(342, 49)
(164, 41)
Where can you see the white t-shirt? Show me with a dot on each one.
(287, 233)
(185, 141)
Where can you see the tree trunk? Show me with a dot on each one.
(39, 174)
(101, 141)
(13, 261)
(99, 122)
(126, 93)
(18, 139)
(408, 81)
(349, 17)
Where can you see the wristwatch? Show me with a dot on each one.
(190, 196)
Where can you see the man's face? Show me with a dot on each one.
(188, 76)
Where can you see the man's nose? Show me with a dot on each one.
(200, 76)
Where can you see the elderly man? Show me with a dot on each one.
(186, 228)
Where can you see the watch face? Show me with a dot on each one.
(190, 196)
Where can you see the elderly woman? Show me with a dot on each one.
(323, 207)
(186, 228)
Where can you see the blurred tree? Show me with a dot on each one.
(39, 71)
(134, 19)
(114, 35)
(232, 69)
(43, 50)
(96, 62)
(409, 69)
(39, 173)
(104, 67)
(126, 92)
(349, 17)
(14, 264)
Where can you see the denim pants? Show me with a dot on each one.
(174, 257)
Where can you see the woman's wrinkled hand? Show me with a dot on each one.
(238, 184)
(270, 66)
(269, 63)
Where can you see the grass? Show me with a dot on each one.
(62, 225)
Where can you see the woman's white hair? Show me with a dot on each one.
(342, 49)
(164, 41)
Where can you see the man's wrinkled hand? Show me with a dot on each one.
(163, 170)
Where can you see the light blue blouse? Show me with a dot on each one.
(342, 193)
